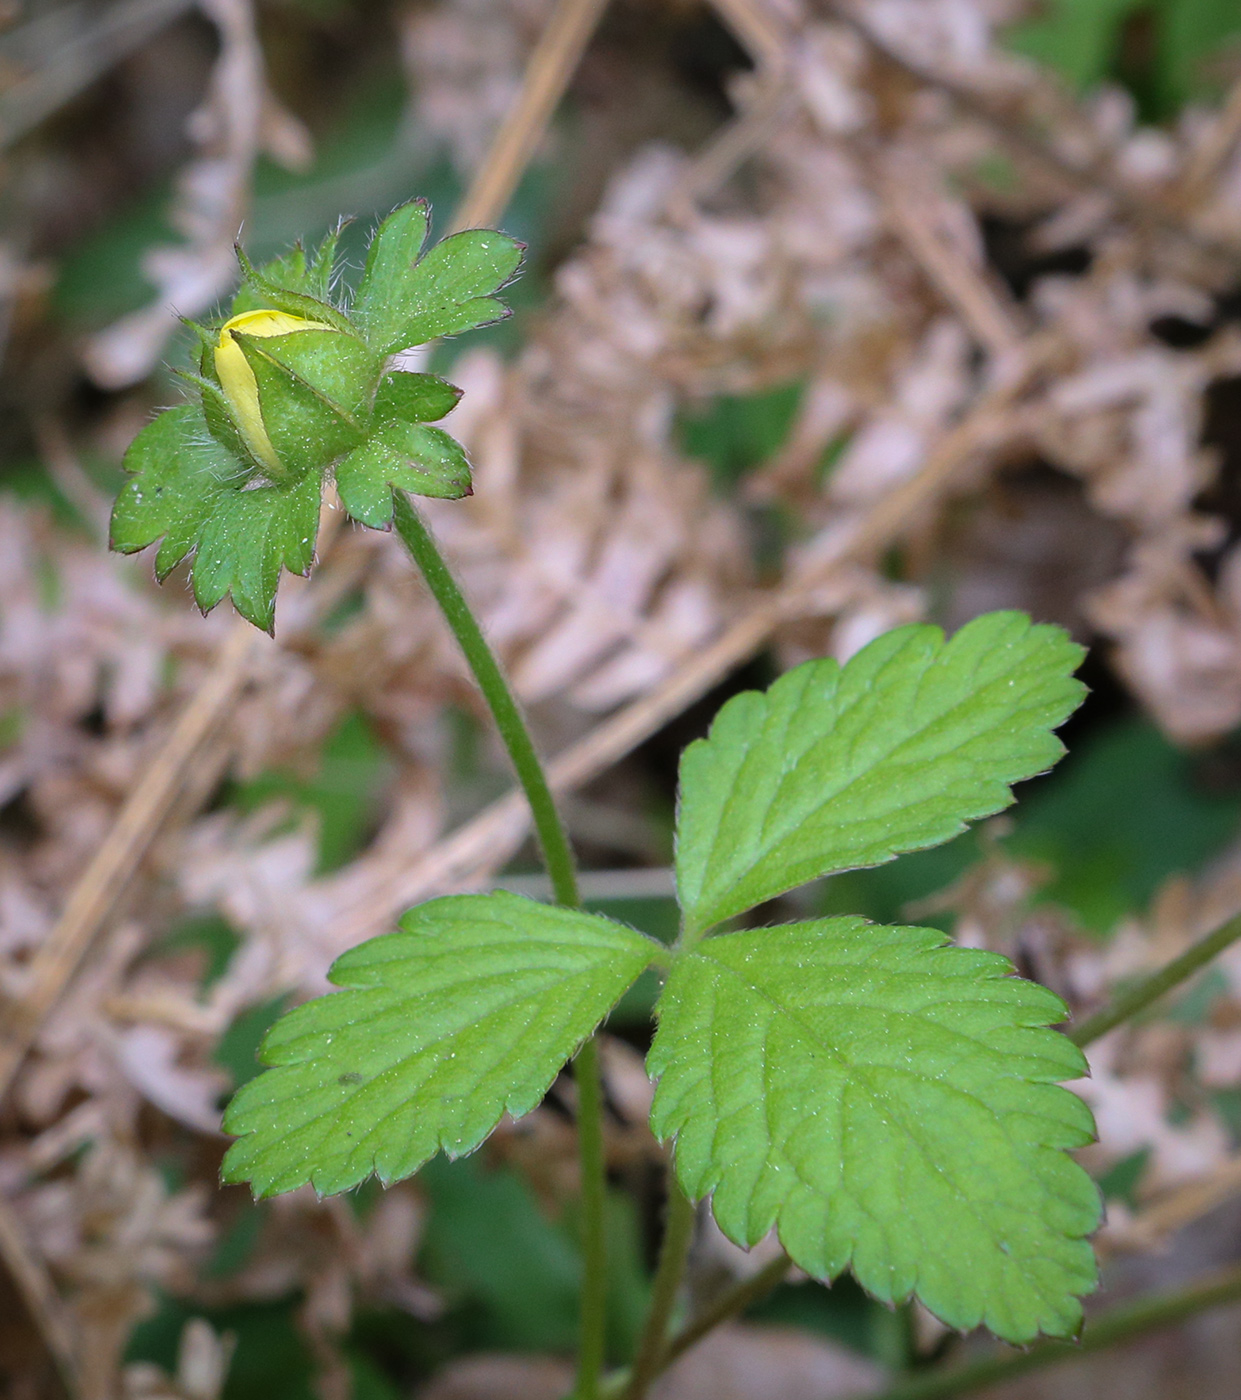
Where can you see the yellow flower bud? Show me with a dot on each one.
(237, 378)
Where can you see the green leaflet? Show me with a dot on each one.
(407, 297)
(414, 398)
(834, 768)
(288, 290)
(249, 537)
(292, 272)
(181, 474)
(188, 489)
(408, 456)
(464, 1014)
(889, 1103)
(402, 452)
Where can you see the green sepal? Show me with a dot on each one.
(181, 474)
(450, 288)
(219, 418)
(249, 536)
(406, 456)
(467, 1012)
(287, 273)
(891, 1104)
(321, 267)
(307, 430)
(341, 369)
(207, 341)
(415, 398)
(272, 294)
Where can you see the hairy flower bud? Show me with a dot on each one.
(237, 378)
(297, 389)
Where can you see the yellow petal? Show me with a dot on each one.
(237, 378)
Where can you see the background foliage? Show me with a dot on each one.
(779, 265)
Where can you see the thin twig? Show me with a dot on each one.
(728, 1305)
(766, 40)
(759, 31)
(551, 66)
(43, 1303)
(1115, 1325)
(991, 318)
(1138, 997)
(114, 863)
(731, 1303)
(62, 50)
(673, 1252)
(1152, 1227)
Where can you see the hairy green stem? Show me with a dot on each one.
(1141, 994)
(553, 839)
(1107, 1329)
(594, 1244)
(673, 1252)
(562, 870)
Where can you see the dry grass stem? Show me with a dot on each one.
(140, 821)
(548, 73)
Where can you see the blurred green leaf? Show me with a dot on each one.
(842, 1312)
(270, 1362)
(1190, 33)
(237, 1050)
(628, 1283)
(1120, 1181)
(1160, 49)
(1122, 814)
(1079, 38)
(211, 933)
(100, 278)
(344, 794)
(735, 433)
(487, 1239)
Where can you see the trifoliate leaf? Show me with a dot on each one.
(415, 398)
(181, 474)
(890, 1104)
(248, 537)
(409, 456)
(832, 768)
(464, 1014)
(450, 289)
